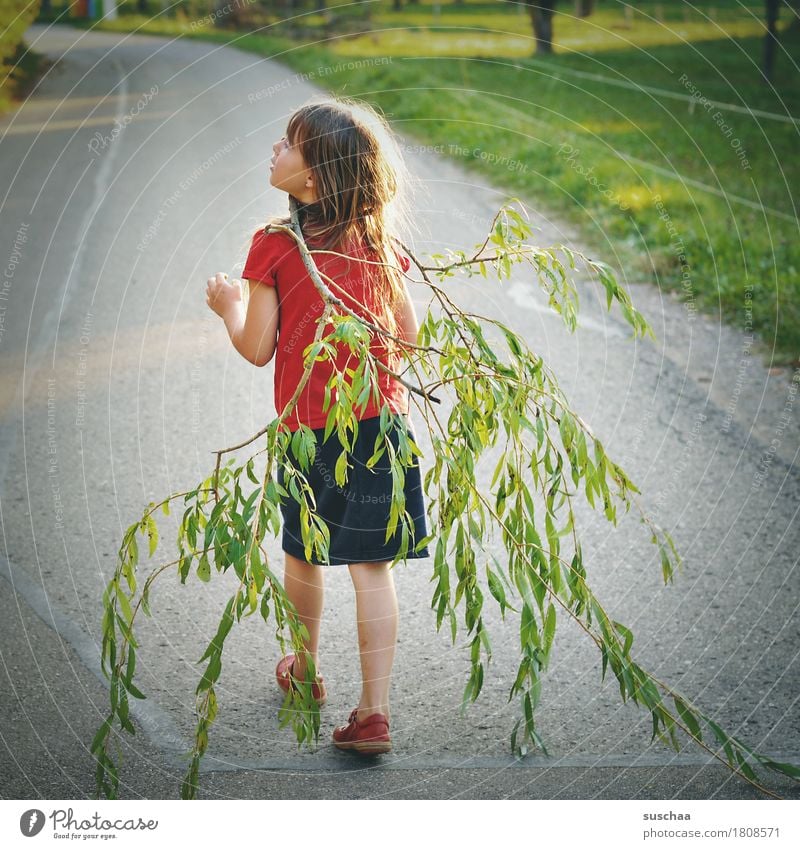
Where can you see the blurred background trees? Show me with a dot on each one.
(19, 64)
(299, 18)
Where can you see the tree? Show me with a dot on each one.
(772, 8)
(503, 396)
(228, 13)
(541, 12)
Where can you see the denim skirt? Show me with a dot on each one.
(356, 514)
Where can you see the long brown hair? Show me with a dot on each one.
(361, 186)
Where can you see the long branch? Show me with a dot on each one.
(598, 640)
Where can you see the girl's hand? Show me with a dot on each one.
(222, 295)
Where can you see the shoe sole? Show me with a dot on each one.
(365, 747)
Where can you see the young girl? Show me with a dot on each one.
(340, 164)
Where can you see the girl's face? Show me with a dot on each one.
(289, 172)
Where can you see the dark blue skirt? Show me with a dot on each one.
(356, 514)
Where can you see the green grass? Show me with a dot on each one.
(468, 80)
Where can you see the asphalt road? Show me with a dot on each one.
(118, 383)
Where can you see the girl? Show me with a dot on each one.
(340, 164)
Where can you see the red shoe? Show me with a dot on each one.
(284, 671)
(368, 737)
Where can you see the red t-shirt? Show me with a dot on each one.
(274, 260)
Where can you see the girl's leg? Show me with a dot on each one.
(304, 587)
(377, 615)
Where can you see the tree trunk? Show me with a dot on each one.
(771, 38)
(542, 17)
(222, 13)
(583, 8)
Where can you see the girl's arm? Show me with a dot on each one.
(407, 317)
(253, 332)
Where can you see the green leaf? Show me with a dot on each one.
(146, 599)
(340, 470)
(666, 566)
(513, 342)
(250, 506)
(134, 691)
(204, 568)
(496, 588)
(786, 768)
(211, 674)
(126, 631)
(101, 735)
(549, 628)
(152, 534)
(122, 598)
(184, 566)
(688, 718)
(627, 635)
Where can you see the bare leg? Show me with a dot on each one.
(304, 587)
(377, 615)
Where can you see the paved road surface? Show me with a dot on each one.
(118, 383)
